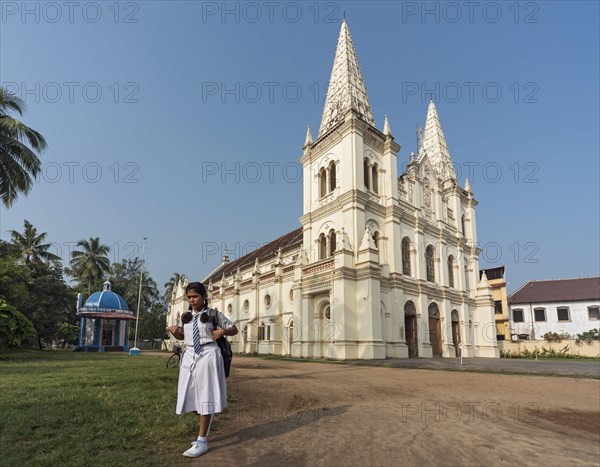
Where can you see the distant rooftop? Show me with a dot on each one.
(493, 273)
(287, 242)
(560, 290)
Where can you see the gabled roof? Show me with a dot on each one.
(286, 242)
(560, 290)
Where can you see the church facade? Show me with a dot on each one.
(383, 266)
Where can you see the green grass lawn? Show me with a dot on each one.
(66, 408)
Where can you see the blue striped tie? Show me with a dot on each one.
(196, 335)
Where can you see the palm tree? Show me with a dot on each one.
(169, 286)
(18, 163)
(91, 263)
(30, 245)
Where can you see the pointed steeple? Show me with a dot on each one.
(346, 86)
(433, 143)
(467, 185)
(387, 131)
(308, 139)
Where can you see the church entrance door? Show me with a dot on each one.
(435, 336)
(410, 327)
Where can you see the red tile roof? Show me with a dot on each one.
(287, 242)
(561, 290)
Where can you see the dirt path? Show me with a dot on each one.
(296, 413)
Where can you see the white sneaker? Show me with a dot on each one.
(198, 448)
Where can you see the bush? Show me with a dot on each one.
(588, 336)
(553, 337)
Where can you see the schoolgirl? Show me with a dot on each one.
(202, 384)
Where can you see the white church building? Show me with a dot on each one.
(382, 266)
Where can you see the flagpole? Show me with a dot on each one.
(135, 350)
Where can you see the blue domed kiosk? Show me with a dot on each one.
(104, 321)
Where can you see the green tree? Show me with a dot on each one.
(50, 302)
(15, 328)
(14, 277)
(149, 291)
(169, 286)
(152, 322)
(91, 263)
(18, 162)
(30, 245)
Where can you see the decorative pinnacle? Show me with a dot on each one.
(308, 139)
(387, 131)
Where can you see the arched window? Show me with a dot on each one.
(410, 309)
(322, 182)
(454, 316)
(429, 263)
(322, 246)
(332, 242)
(366, 173)
(375, 179)
(406, 256)
(332, 176)
(451, 271)
(433, 311)
(466, 278)
(261, 332)
(376, 239)
(462, 225)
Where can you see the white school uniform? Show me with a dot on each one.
(202, 387)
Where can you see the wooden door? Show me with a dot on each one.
(410, 327)
(435, 336)
(456, 337)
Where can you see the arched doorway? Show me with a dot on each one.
(410, 329)
(435, 331)
(456, 332)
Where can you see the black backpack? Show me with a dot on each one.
(223, 344)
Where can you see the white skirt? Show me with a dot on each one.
(202, 386)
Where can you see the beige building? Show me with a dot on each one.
(383, 265)
(497, 280)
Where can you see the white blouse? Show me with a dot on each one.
(205, 329)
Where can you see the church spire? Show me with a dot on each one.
(433, 143)
(347, 89)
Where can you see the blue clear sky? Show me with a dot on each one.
(183, 121)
